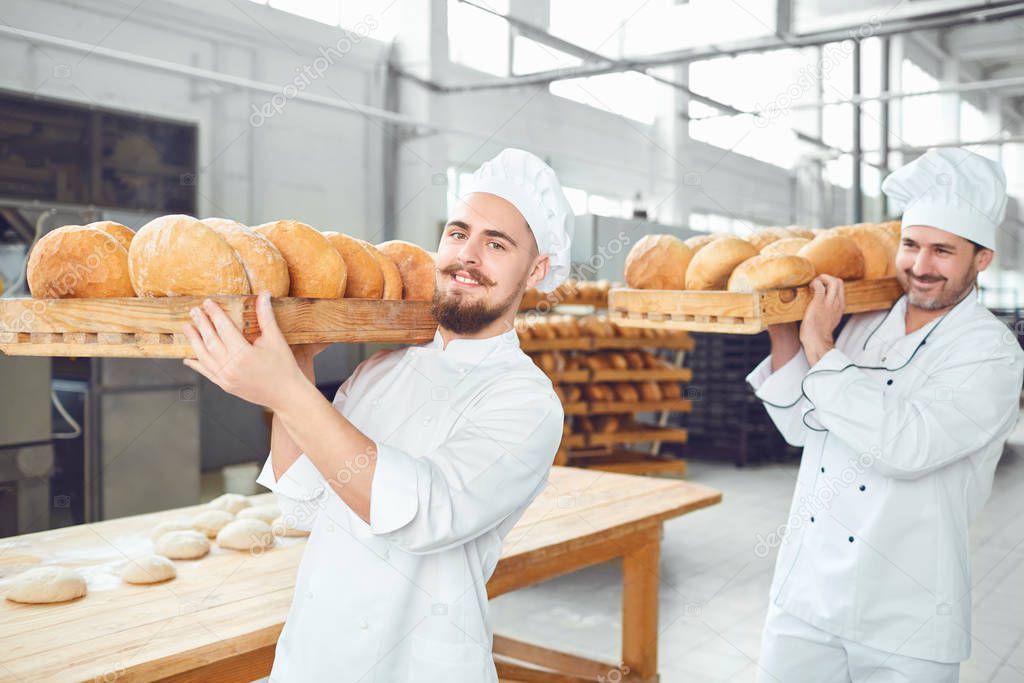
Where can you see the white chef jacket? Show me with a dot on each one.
(901, 434)
(465, 438)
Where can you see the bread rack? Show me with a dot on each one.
(153, 327)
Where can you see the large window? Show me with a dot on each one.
(718, 223)
(628, 94)
(377, 19)
(479, 39)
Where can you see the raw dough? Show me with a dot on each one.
(211, 521)
(183, 545)
(46, 584)
(246, 534)
(148, 569)
(232, 502)
(264, 513)
(170, 525)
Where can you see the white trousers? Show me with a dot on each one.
(793, 651)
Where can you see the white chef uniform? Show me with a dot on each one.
(901, 435)
(465, 437)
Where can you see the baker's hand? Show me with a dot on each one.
(828, 301)
(262, 372)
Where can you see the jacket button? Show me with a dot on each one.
(822, 469)
(888, 382)
(812, 520)
(862, 487)
(850, 539)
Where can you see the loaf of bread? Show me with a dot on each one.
(711, 267)
(572, 393)
(649, 391)
(624, 391)
(635, 360)
(771, 271)
(416, 267)
(698, 242)
(315, 268)
(365, 279)
(658, 262)
(877, 261)
(790, 245)
(388, 269)
(76, 261)
(618, 361)
(264, 265)
(834, 254)
(765, 236)
(122, 233)
(178, 256)
(670, 390)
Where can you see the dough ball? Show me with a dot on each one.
(280, 527)
(46, 584)
(658, 262)
(698, 242)
(232, 502)
(148, 569)
(771, 271)
(168, 526)
(179, 256)
(315, 268)
(246, 534)
(183, 545)
(711, 267)
(834, 254)
(416, 266)
(211, 521)
(122, 233)
(264, 265)
(75, 261)
(390, 272)
(365, 279)
(790, 245)
(264, 513)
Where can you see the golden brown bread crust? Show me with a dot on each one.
(711, 267)
(698, 242)
(416, 266)
(834, 254)
(771, 271)
(122, 233)
(315, 268)
(392, 276)
(264, 265)
(874, 249)
(765, 236)
(657, 262)
(76, 261)
(790, 245)
(177, 255)
(365, 279)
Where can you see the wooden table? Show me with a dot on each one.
(220, 619)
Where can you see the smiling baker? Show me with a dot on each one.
(427, 457)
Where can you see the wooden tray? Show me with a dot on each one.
(152, 328)
(736, 312)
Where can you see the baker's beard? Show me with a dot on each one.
(949, 293)
(454, 313)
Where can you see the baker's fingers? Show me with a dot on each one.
(269, 328)
(205, 358)
(205, 327)
(229, 334)
(198, 367)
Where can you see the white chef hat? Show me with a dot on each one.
(530, 185)
(951, 189)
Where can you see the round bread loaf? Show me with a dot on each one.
(877, 261)
(177, 255)
(800, 231)
(392, 276)
(122, 233)
(711, 267)
(765, 236)
(315, 268)
(365, 279)
(658, 262)
(698, 242)
(790, 245)
(75, 261)
(891, 241)
(834, 254)
(771, 271)
(416, 266)
(264, 265)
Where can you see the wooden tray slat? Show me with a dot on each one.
(153, 327)
(736, 312)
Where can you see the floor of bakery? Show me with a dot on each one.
(715, 579)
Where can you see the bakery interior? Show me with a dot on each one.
(672, 126)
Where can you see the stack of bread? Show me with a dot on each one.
(771, 258)
(571, 291)
(555, 326)
(179, 255)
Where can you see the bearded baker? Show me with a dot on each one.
(902, 419)
(428, 456)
